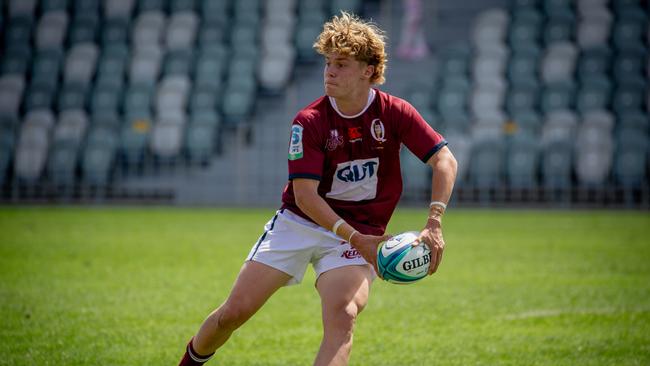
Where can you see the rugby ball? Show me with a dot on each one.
(398, 261)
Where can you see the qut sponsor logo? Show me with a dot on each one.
(356, 173)
(355, 180)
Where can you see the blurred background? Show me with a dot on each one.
(189, 102)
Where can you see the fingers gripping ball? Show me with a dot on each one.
(400, 262)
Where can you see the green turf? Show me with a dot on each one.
(111, 286)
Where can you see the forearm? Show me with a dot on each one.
(442, 181)
(318, 210)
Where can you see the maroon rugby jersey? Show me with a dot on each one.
(356, 158)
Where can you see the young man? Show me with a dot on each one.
(344, 183)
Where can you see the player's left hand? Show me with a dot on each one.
(431, 235)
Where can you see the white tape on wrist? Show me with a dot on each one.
(351, 235)
(438, 204)
(336, 225)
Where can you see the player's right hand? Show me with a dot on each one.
(367, 246)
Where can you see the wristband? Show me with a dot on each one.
(438, 204)
(351, 235)
(337, 224)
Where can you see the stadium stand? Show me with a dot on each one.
(560, 84)
(545, 97)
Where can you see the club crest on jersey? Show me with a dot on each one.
(354, 134)
(334, 141)
(377, 130)
(295, 147)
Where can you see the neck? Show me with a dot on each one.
(354, 103)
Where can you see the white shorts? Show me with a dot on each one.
(290, 242)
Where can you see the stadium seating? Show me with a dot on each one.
(549, 92)
(544, 93)
(133, 82)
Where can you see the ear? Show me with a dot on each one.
(369, 71)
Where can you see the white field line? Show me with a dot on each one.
(547, 313)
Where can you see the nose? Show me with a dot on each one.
(329, 71)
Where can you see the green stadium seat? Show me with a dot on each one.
(209, 73)
(631, 158)
(181, 5)
(416, 175)
(61, 164)
(47, 67)
(151, 5)
(111, 66)
(558, 96)
(97, 164)
(215, 12)
(72, 96)
(83, 29)
(134, 139)
(102, 135)
(53, 5)
(16, 59)
(528, 15)
(594, 94)
(138, 99)
(520, 4)
(487, 164)
(557, 166)
(306, 33)
(107, 121)
(452, 101)
(638, 121)
(351, 6)
(18, 31)
(522, 161)
(528, 121)
(178, 62)
(204, 99)
(243, 9)
(105, 100)
(211, 34)
(521, 99)
(115, 31)
(200, 143)
(237, 104)
(86, 7)
(592, 61)
(558, 31)
(38, 96)
(522, 67)
(629, 66)
(628, 99)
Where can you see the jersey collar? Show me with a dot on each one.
(371, 98)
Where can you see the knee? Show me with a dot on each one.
(345, 318)
(230, 316)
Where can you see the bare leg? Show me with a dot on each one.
(344, 293)
(254, 285)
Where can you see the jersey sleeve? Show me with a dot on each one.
(306, 154)
(417, 135)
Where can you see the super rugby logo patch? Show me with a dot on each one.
(295, 147)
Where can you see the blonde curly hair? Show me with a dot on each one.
(348, 35)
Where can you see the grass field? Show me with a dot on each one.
(129, 286)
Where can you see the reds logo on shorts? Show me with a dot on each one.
(351, 254)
